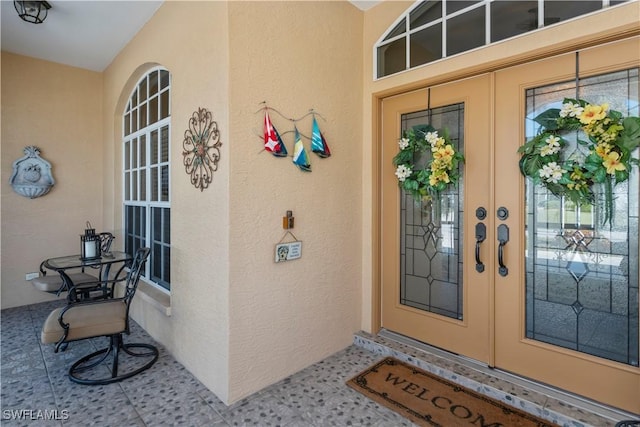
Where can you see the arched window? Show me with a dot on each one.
(146, 173)
(434, 29)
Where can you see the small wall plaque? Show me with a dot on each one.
(31, 174)
(288, 251)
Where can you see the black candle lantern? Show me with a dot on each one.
(90, 244)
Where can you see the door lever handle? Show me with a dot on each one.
(481, 235)
(503, 238)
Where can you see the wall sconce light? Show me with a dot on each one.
(32, 11)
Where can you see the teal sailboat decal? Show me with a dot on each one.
(300, 157)
(318, 143)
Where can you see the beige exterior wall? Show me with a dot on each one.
(190, 39)
(285, 316)
(58, 109)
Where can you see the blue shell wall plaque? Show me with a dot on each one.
(31, 174)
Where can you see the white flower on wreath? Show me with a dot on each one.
(551, 172)
(552, 147)
(403, 143)
(403, 172)
(570, 109)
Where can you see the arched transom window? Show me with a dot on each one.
(434, 29)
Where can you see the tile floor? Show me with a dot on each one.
(35, 387)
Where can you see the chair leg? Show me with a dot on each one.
(115, 345)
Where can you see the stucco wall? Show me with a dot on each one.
(285, 316)
(190, 40)
(58, 109)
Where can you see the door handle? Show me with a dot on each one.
(503, 238)
(481, 235)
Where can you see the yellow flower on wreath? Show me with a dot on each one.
(593, 113)
(612, 163)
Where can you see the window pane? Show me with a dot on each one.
(397, 30)
(143, 150)
(134, 185)
(157, 224)
(166, 226)
(134, 153)
(157, 262)
(164, 144)
(164, 105)
(134, 120)
(143, 90)
(166, 263)
(165, 183)
(392, 57)
(153, 110)
(127, 160)
(143, 116)
(556, 11)
(127, 183)
(454, 6)
(510, 18)
(134, 99)
(426, 45)
(466, 31)
(153, 83)
(164, 79)
(427, 12)
(127, 124)
(143, 185)
(154, 184)
(154, 147)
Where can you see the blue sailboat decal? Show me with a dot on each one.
(318, 143)
(300, 157)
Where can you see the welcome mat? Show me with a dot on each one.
(429, 400)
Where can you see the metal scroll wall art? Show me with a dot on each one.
(31, 174)
(274, 144)
(201, 148)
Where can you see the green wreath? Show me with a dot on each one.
(441, 170)
(612, 139)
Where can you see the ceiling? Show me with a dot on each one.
(86, 34)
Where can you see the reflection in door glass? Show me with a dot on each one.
(581, 275)
(431, 239)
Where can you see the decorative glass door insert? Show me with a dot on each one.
(582, 274)
(431, 231)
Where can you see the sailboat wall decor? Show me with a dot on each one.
(318, 143)
(272, 140)
(300, 157)
(274, 143)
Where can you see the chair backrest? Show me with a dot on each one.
(135, 271)
(106, 239)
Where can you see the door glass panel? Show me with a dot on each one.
(582, 274)
(431, 236)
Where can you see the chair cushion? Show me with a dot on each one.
(53, 282)
(86, 321)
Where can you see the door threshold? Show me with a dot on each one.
(555, 405)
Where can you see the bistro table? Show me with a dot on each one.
(104, 263)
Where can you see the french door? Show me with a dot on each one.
(502, 271)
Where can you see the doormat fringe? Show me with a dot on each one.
(429, 400)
